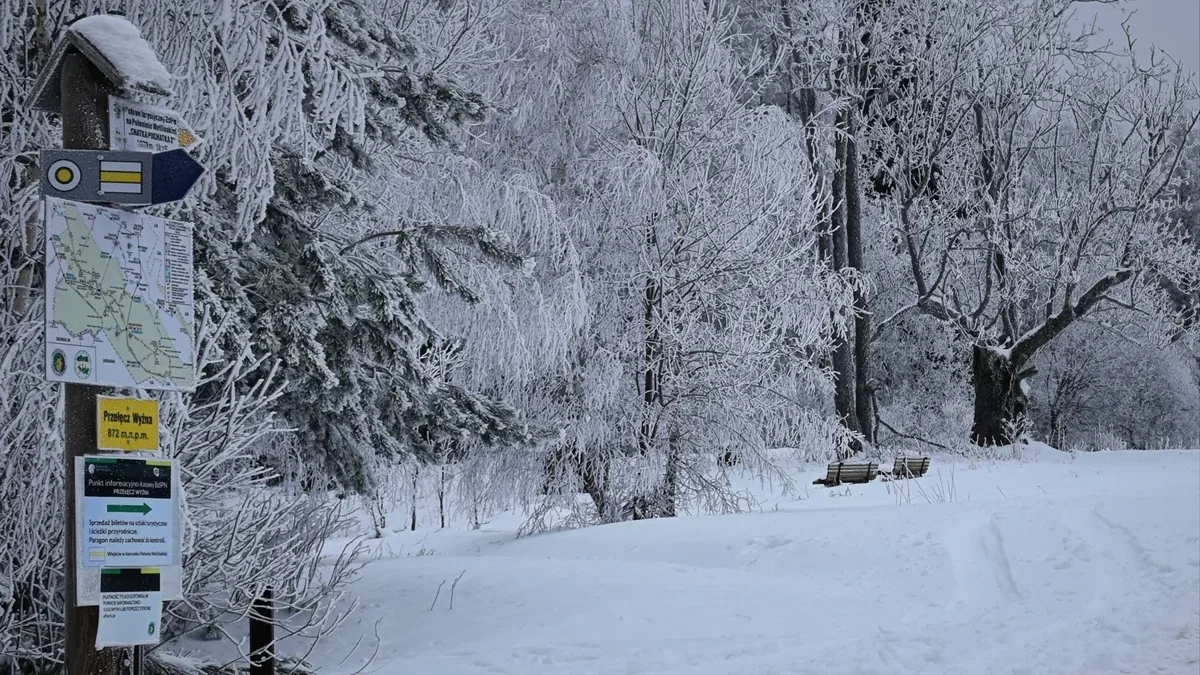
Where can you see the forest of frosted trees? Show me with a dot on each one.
(611, 247)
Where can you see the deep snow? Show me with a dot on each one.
(1055, 564)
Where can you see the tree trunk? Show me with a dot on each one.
(594, 474)
(442, 497)
(1058, 431)
(671, 476)
(652, 352)
(862, 319)
(591, 470)
(999, 401)
(843, 349)
(414, 500)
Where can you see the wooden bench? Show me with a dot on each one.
(847, 472)
(909, 467)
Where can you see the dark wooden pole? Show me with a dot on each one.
(262, 634)
(84, 126)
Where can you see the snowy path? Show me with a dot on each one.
(1090, 567)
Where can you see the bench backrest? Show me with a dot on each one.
(846, 472)
(911, 466)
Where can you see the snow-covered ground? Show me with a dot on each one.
(1085, 564)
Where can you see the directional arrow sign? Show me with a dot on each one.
(119, 177)
(175, 172)
(142, 508)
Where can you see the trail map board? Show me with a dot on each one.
(119, 305)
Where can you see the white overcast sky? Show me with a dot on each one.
(1170, 25)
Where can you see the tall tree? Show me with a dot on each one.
(827, 52)
(328, 279)
(711, 191)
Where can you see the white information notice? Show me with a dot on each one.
(130, 608)
(119, 298)
(128, 513)
(88, 572)
(146, 128)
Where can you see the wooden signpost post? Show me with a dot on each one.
(77, 83)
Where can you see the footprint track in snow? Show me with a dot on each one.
(982, 570)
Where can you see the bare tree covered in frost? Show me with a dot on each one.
(826, 86)
(676, 308)
(530, 341)
(715, 300)
(1031, 181)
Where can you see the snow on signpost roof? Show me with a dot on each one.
(113, 45)
(121, 43)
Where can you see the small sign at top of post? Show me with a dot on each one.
(146, 128)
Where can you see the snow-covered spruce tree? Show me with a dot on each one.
(1028, 181)
(328, 280)
(715, 298)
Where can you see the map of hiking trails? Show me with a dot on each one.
(119, 306)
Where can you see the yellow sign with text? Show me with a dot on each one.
(127, 424)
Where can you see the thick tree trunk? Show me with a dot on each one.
(1058, 430)
(592, 472)
(999, 401)
(996, 376)
(843, 349)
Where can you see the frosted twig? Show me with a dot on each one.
(437, 595)
(453, 586)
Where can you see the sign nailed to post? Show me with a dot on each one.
(126, 423)
(119, 177)
(130, 607)
(139, 126)
(129, 509)
(119, 298)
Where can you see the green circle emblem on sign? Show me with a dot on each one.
(83, 364)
